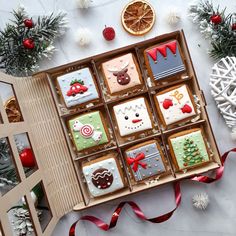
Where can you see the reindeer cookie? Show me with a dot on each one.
(133, 116)
(175, 104)
(121, 73)
(88, 130)
(78, 87)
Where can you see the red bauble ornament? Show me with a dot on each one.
(233, 26)
(109, 33)
(167, 103)
(216, 19)
(27, 158)
(28, 23)
(28, 43)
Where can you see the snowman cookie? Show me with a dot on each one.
(78, 87)
(175, 105)
(121, 73)
(88, 130)
(103, 175)
(133, 116)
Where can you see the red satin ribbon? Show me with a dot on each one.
(138, 212)
(137, 161)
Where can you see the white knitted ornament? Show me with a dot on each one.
(223, 89)
(200, 201)
(83, 37)
(173, 17)
(84, 3)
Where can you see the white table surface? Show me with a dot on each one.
(220, 217)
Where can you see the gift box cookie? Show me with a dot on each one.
(121, 73)
(145, 160)
(188, 149)
(103, 175)
(175, 104)
(133, 116)
(78, 87)
(88, 130)
(164, 60)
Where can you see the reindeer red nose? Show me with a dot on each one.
(136, 120)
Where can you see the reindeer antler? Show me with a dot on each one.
(125, 65)
(115, 69)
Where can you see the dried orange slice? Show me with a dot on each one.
(13, 110)
(138, 17)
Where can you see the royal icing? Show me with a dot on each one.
(88, 130)
(121, 73)
(132, 116)
(77, 87)
(176, 105)
(189, 149)
(145, 161)
(165, 60)
(103, 177)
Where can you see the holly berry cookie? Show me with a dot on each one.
(175, 104)
(103, 175)
(78, 87)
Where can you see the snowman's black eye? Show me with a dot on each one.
(137, 115)
(126, 117)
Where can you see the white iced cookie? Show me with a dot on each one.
(132, 116)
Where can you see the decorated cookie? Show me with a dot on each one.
(164, 60)
(103, 175)
(133, 116)
(188, 149)
(88, 130)
(145, 160)
(78, 87)
(121, 73)
(175, 104)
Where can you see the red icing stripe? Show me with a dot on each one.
(162, 50)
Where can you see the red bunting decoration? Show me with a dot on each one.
(137, 210)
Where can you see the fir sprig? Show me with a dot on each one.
(222, 36)
(18, 60)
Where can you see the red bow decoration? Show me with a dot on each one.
(137, 161)
(138, 212)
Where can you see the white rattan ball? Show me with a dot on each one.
(84, 3)
(173, 17)
(83, 37)
(200, 201)
(223, 90)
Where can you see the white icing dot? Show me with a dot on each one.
(156, 165)
(147, 149)
(99, 186)
(100, 165)
(87, 173)
(113, 168)
(98, 127)
(150, 173)
(76, 136)
(108, 183)
(88, 182)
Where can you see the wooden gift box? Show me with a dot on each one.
(45, 119)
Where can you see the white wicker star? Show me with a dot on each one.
(223, 89)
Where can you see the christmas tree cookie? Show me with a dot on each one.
(88, 130)
(188, 149)
(78, 87)
(145, 160)
(164, 60)
(121, 73)
(133, 116)
(103, 175)
(175, 104)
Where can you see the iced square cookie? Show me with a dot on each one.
(121, 73)
(145, 160)
(133, 116)
(175, 104)
(188, 149)
(103, 175)
(88, 130)
(78, 87)
(164, 60)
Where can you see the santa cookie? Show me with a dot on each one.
(78, 87)
(133, 116)
(175, 104)
(121, 73)
(164, 60)
(145, 160)
(188, 149)
(88, 130)
(103, 175)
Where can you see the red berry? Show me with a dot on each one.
(28, 23)
(109, 33)
(167, 103)
(216, 19)
(234, 26)
(28, 43)
(27, 158)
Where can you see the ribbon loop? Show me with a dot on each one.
(137, 161)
